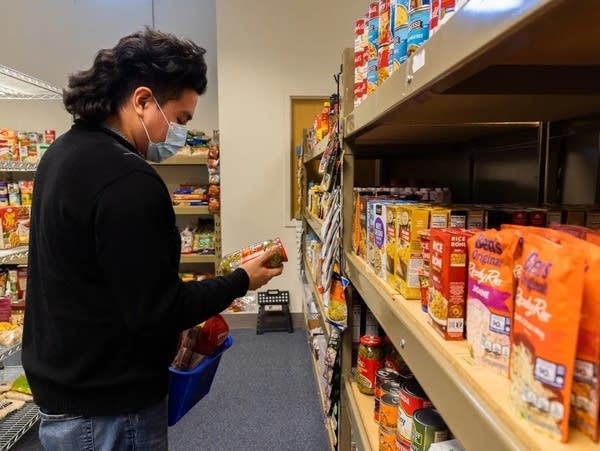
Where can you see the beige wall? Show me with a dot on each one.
(50, 39)
(268, 51)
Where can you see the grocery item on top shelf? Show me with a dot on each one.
(197, 138)
(190, 195)
(232, 261)
(24, 146)
(337, 310)
(490, 299)
(546, 322)
(447, 282)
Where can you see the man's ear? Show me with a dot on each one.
(141, 99)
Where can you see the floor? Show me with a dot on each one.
(263, 398)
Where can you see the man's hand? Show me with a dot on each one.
(257, 271)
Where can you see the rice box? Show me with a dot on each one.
(411, 219)
(447, 282)
(376, 236)
(439, 218)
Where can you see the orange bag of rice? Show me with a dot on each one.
(490, 296)
(585, 396)
(546, 323)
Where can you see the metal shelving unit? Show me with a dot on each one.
(15, 85)
(15, 256)
(17, 166)
(486, 72)
(16, 424)
(191, 211)
(181, 159)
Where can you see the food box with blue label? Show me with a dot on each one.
(376, 236)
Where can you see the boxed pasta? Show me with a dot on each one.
(447, 282)
(547, 313)
(410, 220)
(490, 297)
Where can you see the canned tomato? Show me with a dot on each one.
(428, 427)
(401, 443)
(382, 377)
(418, 28)
(412, 398)
(387, 439)
(388, 411)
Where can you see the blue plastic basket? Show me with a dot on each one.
(186, 388)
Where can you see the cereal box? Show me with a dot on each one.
(447, 284)
(400, 36)
(385, 22)
(490, 297)
(411, 219)
(14, 227)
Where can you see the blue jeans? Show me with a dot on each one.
(140, 431)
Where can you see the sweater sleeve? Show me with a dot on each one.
(138, 254)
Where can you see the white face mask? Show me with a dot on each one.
(175, 140)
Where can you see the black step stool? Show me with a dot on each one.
(274, 312)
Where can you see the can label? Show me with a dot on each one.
(387, 438)
(435, 16)
(383, 64)
(423, 436)
(366, 371)
(372, 76)
(401, 443)
(418, 29)
(385, 22)
(388, 413)
(400, 47)
(409, 403)
(373, 31)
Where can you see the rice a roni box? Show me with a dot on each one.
(410, 220)
(447, 282)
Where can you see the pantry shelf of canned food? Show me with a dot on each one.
(462, 131)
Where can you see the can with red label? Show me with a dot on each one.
(370, 359)
(49, 136)
(383, 64)
(412, 398)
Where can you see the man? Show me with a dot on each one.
(104, 300)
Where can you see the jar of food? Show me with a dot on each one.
(232, 261)
(370, 359)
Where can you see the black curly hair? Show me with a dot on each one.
(161, 61)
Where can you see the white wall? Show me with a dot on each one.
(51, 39)
(270, 50)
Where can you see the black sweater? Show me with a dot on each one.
(104, 299)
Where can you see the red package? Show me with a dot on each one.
(212, 335)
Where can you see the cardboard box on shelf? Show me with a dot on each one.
(14, 227)
(410, 219)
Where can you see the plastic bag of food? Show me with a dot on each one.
(337, 310)
(490, 297)
(234, 260)
(21, 385)
(546, 322)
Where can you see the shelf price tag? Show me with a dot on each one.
(418, 60)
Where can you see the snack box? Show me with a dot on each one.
(410, 220)
(439, 217)
(14, 227)
(448, 282)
